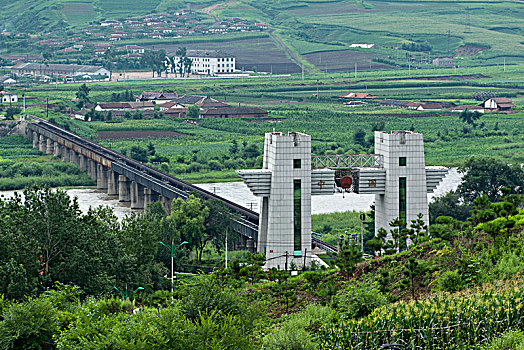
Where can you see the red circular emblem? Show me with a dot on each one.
(346, 182)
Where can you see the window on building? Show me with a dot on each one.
(402, 161)
(297, 163)
(297, 217)
(402, 199)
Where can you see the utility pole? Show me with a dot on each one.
(355, 70)
(362, 218)
(172, 249)
(47, 107)
(449, 37)
(286, 260)
(305, 255)
(226, 248)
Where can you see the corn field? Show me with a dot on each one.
(440, 322)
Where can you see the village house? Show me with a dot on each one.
(461, 109)
(208, 102)
(131, 49)
(429, 107)
(358, 95)
(395, 103)
(9, 98)
(6, 80)
(157, 97)
(443, 61)
(498, 104)
(51, 69)
(355, 103)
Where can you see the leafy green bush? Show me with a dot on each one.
(293, 333)
(208, 295)
(450, 281)
(510, 340)
(359, 300)
(509, 265)
(29, 325)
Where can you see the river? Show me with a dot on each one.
(240, 194)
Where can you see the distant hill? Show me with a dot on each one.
(485, 31)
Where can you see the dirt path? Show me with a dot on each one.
(207, 10)
(287, 50)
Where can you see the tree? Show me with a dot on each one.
(189, 217)
(348, 257)
(151, 149)
(193, 111)
(469, 117)
(488, 175)
(449, 204)
(188, 63)
(253, 267)
(11, 112)
(359, 137)
(412, 269)
(233, 149)
(139, 153)
(83, 96)
(250, 151)
(216, 225)
(46, 238)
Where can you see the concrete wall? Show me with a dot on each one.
(279, 153)
(393, 146)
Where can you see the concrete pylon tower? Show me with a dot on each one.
(286, 184)
(406, 188)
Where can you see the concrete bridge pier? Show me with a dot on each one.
(101, 177)
(124, 194)
(92, 168)
(57, 149)
(112, 183)
(166, 202)
(66, 154)
(49, 146)
(137, 196)
(74, 158)
(150, 196)
(250, 244)
(82, 162)
(42, 144)
(36, 139)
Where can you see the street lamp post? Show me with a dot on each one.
(125, 295)
(172, 248)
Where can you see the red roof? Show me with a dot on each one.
(357, 95)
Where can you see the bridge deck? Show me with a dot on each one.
(246, 223)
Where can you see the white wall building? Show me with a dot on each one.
(396, 174)
(286, 184)
(209, 62)
(9, 98)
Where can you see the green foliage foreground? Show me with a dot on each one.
(440, 322)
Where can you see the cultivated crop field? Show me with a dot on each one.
(344, 60)
(263, 54)
(79, 13)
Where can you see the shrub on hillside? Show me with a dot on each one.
(358, 300)
(510, 340)
(450, 281)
